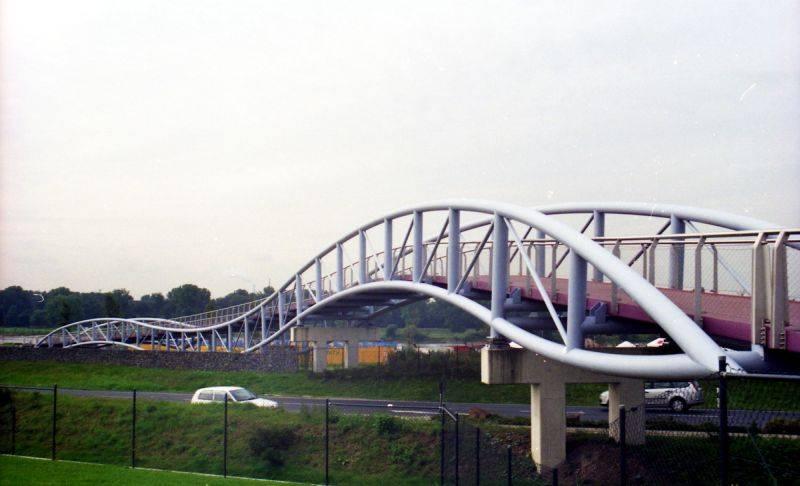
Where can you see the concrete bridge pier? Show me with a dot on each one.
(548, 379)
(319, 356)
(319, 337)
(351, 354)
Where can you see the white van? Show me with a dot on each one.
(235, 394)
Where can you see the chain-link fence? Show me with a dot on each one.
(724, 429)
(470, 454)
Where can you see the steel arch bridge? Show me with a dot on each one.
(702, 276)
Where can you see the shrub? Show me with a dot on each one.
(271, 444)
(782, 426)
(386, 425)
(480, 414)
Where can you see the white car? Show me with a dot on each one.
(677, 395)
(235, 394)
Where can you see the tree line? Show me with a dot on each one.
(59, 306)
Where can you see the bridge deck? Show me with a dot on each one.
(724, 315)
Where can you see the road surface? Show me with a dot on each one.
(696, 416)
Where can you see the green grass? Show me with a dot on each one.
(333, 384)
(184, 437)
(23, 331)
(24, 470)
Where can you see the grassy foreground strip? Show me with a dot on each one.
(262, 443)
(334, 384)
(25, 470)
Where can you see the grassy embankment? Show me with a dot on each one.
(262, 443)
(364, 449)
(25, 470)
(339, 383)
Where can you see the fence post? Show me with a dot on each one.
(327, 411)
(133, 430)
(13, 426)
(55, 408)
(509, 480)
(478, 456)
(457, 458)
(623, 459)
(441, 443)
(225, 439)
(723, 423)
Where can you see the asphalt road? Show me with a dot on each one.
(695, 416)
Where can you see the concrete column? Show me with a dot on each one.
(548, 423)
(628, 392)
(351, 354)
(319, 356)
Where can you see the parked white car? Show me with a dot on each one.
(235, 394)
(679, 396)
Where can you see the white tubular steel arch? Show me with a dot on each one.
(688, 213)
(662, 366)
(378, 272)
(104, 343)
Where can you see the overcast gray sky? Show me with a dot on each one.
(146, 144)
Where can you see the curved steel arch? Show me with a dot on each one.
(692, 214)
(104, 343)
(688, 213)
(701, 353)
(661, 366)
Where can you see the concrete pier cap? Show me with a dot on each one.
(548, 379)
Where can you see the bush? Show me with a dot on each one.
(410, 363)
(782, 426)
(5, 397)
(386, 425)
(480, 414)
(270, 444)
